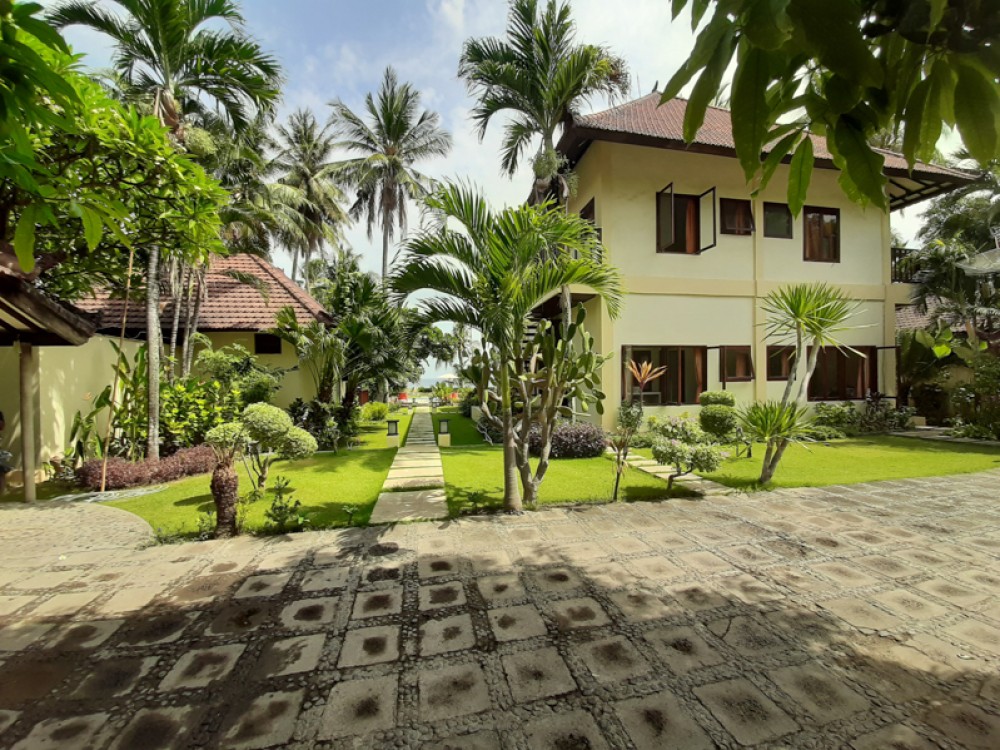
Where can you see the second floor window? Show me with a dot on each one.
(737, 216)
(777, 221)
(821, 234)
(685, 224)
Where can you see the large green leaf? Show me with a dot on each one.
(24, 239)
(861, 165)
(767, 23)
(707, 86)
(704, 47)
(977, 103)
(774, 158)
(799, 175)
(913, 134)
(750, 114)
(93, 227)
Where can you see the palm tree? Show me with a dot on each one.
(493, 272)
(173, 53)
(304, 162)
(539, 75)
(388, 146)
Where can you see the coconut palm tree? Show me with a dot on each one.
(492, 272)
(389, 138)
(304, 162)
(174, 54)
(539, 75)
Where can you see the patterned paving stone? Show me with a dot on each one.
(749, 715)
(659, 721)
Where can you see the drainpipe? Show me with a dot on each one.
(27, 384)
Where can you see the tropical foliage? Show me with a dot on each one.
(389, 139)
(846, 70)
(490, 269)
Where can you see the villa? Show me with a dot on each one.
(698, 254)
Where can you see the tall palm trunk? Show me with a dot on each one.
(177, 293)
(154, 337)
(511, 491)
(386, 219)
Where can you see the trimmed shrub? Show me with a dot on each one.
(374, 411)
(122, 474)
(717, 398)
(718, 420)
(822, 433)
(843, 417)
(319, 420)
(577, 440)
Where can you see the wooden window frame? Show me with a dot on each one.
(263, 344)
(822, 211)
(791, 221)
(776, 350)
(657, 358)
(869, 365)
(723, 370)
(723, 203)
(702, 221)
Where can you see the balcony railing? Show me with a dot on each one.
(902, 272)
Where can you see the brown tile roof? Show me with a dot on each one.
(229, 305)
(663, 125)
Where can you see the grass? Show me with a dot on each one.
(863, 459)
(325, 485)
(463, 429)
(474, 480)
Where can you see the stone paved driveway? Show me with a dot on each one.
(863, 617)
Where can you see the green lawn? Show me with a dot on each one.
(373, 434)
(325, 484)
(867, 459)
(474, 479)
(463, 430)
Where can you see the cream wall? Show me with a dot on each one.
(67, 379)
(714, 299)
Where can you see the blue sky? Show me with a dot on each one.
(338, 49)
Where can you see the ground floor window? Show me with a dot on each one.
(682, 383)
(844, 375)
(779, 362)
(736, 364)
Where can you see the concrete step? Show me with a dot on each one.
(413, 483)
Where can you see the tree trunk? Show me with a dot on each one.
(385, 247)
(192, 329)
(772, 457)
(295, 264)
(225, 486)
(511, 493)
(153, 338)
(175, 324)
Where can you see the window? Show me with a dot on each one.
(266, 343)
(844, 375)
(737, 216)
(685, 223)
(779, 362)
(736, 364)
(777, 221)
(682, 383)
(588, 212)
(821, 234)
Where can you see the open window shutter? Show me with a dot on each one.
(665, 218)
(707, 220)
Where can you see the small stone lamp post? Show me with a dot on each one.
(444, 434)
(392, 433)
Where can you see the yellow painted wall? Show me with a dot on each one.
(713, 299)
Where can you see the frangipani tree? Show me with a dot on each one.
(490, 269)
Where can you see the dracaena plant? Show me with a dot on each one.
(630, 419)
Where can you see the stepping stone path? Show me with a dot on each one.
(690, 481)
(414, 488)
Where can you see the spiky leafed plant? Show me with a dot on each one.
(776, 424)
(811, 316)
(305, 163)
(630, 418)
(388, 140)
(174, 54)
(492, 272)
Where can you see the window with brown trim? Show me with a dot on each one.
(683, 382)
(677, 223)
(266, 343)
(777, 221)
(779, 362)
(736, 364)
(821, 234)
(737, 216)
(843, 374)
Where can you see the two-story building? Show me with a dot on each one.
(698, 254)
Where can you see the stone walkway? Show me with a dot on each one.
(691, 481)
(859, 617)
(414, 488)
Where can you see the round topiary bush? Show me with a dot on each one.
(577, 440)
(717, 398)
(718, 420)
(374, 411)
